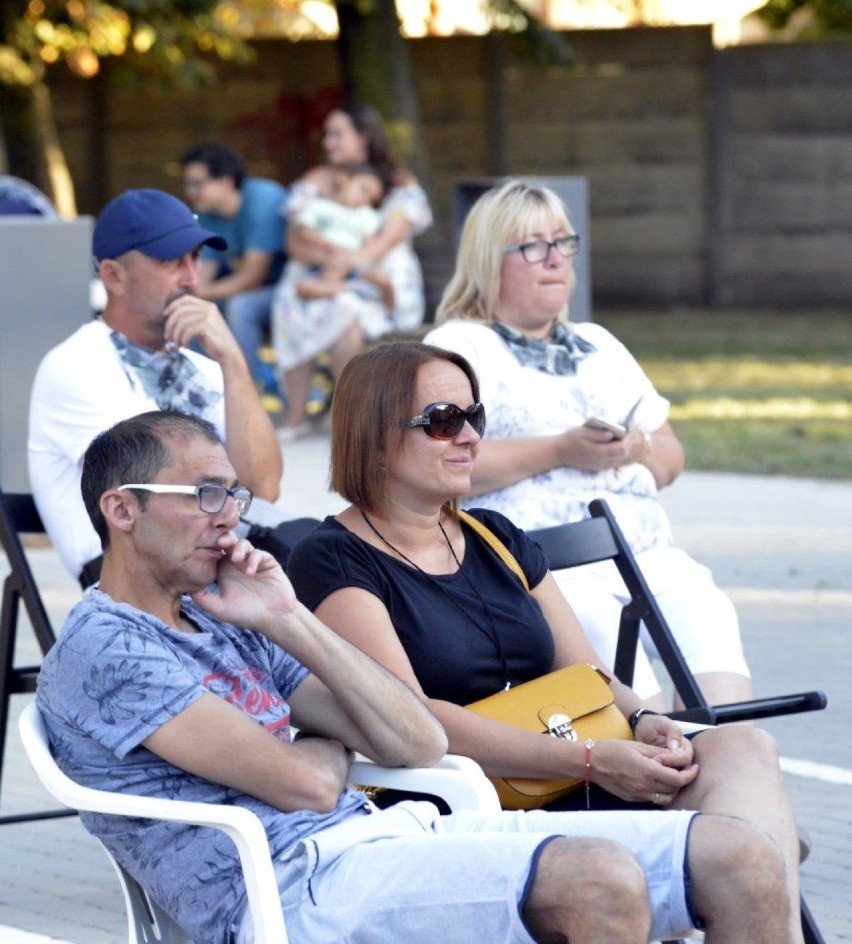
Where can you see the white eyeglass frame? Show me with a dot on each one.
(196, 490)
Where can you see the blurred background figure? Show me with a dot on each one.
(304, 328)
(346, 219)
(20, 198)
(248, 212)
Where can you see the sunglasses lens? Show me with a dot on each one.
(476, 418)
(445, 420)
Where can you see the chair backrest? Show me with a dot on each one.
(19, 515)
(582, 542)
(597, 539)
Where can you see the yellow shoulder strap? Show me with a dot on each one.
(497, 546)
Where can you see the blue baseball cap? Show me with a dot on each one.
(154, 222)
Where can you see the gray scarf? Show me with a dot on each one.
(558, 353)
(168, 377)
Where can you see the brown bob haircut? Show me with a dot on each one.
(372, 402)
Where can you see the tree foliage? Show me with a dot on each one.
(166, 39)
(178, 41)
(811, 18)
(534, 41)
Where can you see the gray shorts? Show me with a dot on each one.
(407, 874)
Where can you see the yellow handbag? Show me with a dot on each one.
(574, 703)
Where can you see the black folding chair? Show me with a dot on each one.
(19, 515)
(599, 538)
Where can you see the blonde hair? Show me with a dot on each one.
(499, 218)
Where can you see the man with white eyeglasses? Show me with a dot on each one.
(136, 357)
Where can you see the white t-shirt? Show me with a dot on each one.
(522, 401)
(81, 388)
(340, 225)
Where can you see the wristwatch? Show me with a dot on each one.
(633, 720)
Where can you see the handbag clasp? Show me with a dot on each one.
(560, 726)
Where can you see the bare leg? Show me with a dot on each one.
(383, 283)
(657, 703)
(608, 905)
(740, 777)
(738, 883)
(297, 384)
(350, 343)
(297, 380)
(722, 688)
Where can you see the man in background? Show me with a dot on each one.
(248, 212)
(135, 358)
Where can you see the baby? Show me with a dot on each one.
(347, 219)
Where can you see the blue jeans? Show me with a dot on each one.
(247, 314)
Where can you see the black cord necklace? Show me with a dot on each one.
(490, 632)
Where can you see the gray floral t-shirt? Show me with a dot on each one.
(114, 677)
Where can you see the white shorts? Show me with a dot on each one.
(702, 618)
(407, 874)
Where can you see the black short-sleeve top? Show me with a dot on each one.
(466, 634)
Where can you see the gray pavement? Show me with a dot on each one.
(781, 547)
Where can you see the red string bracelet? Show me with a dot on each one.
(589, 744)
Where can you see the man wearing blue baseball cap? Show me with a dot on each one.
(135, 358)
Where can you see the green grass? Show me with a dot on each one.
(753, 392)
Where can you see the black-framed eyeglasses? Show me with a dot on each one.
(539, 249)
(211, 498)
(446, 420)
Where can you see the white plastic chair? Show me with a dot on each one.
(459, 781)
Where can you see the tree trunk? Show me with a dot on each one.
(376, 68)
(32, 149)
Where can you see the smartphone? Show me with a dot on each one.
(616, 429)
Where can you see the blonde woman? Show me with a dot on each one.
(572, 417)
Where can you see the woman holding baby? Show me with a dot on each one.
(304, 325)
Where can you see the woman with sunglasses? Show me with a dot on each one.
(573, 417)
(398, 574)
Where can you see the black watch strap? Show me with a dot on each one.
(633, 720)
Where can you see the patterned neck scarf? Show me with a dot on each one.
(558, 353)
(169, 377)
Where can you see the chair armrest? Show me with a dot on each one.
(459, 781)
